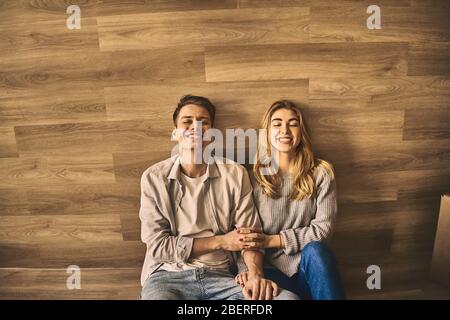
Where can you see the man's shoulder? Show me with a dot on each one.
(160, 169)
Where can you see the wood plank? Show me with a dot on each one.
(317, 3)
(49, 106)
(24, 255)
(354, 246)
(129, 166)
(335, 120)
(210, 27)
(104, 136)
(131, 227)
(427, 124)
(349, 24)
(358, 188)
(23, 11)
(397, 93)
(423, 183)
(8, 147)
(51, 37)
(46, 230)
(409, 213)
(299, 61)
(429, 59)
(35, 170)
(402, 156)
(97, 283)
(13, 201)
(84, 199)
(92, 67)
(229, 98)
(95, 254)
(430, 3)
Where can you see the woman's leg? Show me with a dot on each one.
(318, 271)
(282, 280)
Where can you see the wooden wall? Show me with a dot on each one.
(84, 112)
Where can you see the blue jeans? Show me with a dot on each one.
(317, 277)
(197, 284)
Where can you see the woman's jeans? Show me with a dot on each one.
(317, 277)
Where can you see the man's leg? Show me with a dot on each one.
(286, 295)
(165, 285)
(319, 272)
(220, 285)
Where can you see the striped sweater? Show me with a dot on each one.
(298, 222)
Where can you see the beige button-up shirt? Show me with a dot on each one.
(228, 193)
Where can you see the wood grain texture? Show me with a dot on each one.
(349, 24)
(301, 61)
(96, 283)
(396, 93)
(84, 112)
(210, 27)
(8, 146)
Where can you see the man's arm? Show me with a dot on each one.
(254, 261)
(256, 287)
(162, 246)
(232, 241)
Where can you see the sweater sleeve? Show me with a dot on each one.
(320, 227)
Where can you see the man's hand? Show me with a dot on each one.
(258, 288)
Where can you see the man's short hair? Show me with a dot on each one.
(198, 101)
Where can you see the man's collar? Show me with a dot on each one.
(211, 170)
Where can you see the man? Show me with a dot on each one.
(189, 209)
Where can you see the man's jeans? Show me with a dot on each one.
(317, 277)
(197, 284)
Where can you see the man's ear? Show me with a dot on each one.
(174, 134)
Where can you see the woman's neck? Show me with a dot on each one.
(285, 161)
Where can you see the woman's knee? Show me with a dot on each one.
(317, 251)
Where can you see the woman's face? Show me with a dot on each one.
(284, 130)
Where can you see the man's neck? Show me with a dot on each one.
(190, 168)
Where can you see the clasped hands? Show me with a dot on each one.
(254, 286)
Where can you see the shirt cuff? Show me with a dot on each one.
(290, 242)
(184, 248)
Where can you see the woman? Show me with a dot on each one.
(295, 194)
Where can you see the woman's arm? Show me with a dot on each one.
(293, 240)
(321, 227)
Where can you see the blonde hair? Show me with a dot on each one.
(303, 185)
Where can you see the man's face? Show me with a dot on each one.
(192, 123)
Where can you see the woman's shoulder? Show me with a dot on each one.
(323, 171)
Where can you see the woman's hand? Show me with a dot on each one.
(242, 278)
(256, 239)
(232, 241)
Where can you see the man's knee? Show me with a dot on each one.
(160, 295)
